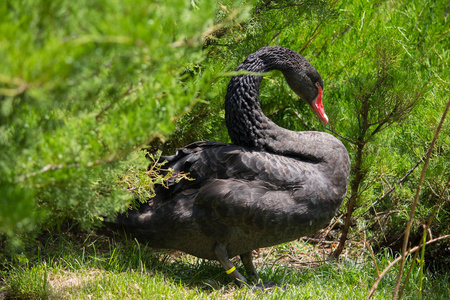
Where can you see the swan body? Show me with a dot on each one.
(270, 186)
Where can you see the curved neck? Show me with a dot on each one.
(249, 127)
(247, 124)
(244, 118)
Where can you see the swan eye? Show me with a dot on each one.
(318, 84)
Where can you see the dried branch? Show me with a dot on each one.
(400, 181)
(372, 255)
(426, 229)
(416, 200)
(439, 196)
(416, 254)
(412, 250)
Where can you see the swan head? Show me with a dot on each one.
(301, 76)
(306, 82)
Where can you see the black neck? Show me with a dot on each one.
(247, 124)
(249, 127)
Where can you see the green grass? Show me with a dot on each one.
(90, 266)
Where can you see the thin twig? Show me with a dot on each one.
(416, 200)
(341, 136)
(369, 248)
(107, 107)
(400, 181)
(330, 227)
(318, 29)
(413, 262)
(412, 250)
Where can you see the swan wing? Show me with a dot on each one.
(204, 161)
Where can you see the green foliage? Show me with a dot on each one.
(142, 182)
(386, 83)
(90, 266)
(84, 84)
(385, 70)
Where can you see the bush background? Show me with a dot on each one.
(85, 85)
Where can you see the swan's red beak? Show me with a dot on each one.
(317, 108)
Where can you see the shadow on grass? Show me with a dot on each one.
(182, 268)
(104, 261)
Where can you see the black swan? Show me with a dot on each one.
(270, 186)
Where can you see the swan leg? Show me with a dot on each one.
(233, 273)
(247, 260)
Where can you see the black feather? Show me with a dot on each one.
(271, 186)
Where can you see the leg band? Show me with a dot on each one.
(231, 270)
